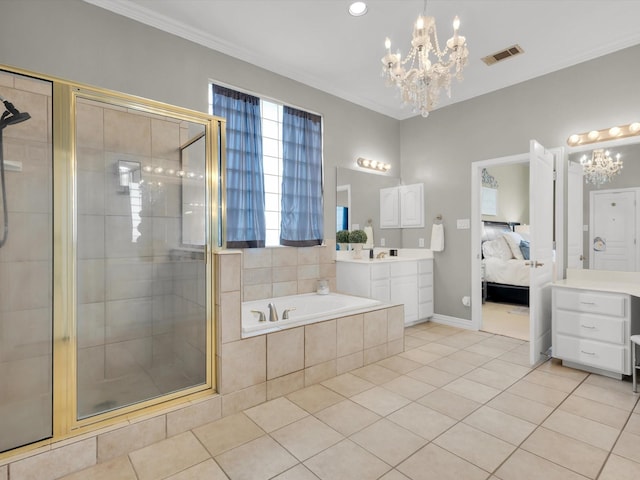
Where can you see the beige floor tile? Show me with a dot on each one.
(537, 468)
(628, 446)
(472, 390)
(422, 420)
(471, 358)
(427, 336)
(259, 459)
(501, 425)
(299, 472)
(388, 441)
(452, 366)
(432, 376)
(347, 417)
(168, 457)
(508, 368)
(491, 378)
(375, 374)
(275, 414)
(538, 393)
(557, 382)
(449, 403)
(606, 414)
(447, 329)
(518, 358)
(420, 356)
(568, 452)
(347, 384)
(411, 342)
(583, 429)
(442, 350)
(227, 433)
(610, 383)
(619, 468)
(381, 401)
(625, 401)
(492, 351)
(408, 387)
(460, 340)
(400, 364)
(315, 398)
(633, 425)
(119, 468)
(475, 446)
(394, 475)
(555, 367)
(346, 460)
(306, 437)
(208, 469)
(432, 462)
(520, 407)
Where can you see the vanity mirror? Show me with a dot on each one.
(359, 193)
(603, 226)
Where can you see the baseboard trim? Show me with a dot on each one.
(453, 321)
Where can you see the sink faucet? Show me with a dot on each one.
(273, 313)
(381, 255)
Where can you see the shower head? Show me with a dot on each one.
(12, 115)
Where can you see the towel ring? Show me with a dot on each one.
(438, 219)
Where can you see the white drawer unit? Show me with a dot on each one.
(591, 329)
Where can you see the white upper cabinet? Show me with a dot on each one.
(402, 207)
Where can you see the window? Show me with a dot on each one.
(278, 124)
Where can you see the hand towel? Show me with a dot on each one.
(369, 232)
(437, 238)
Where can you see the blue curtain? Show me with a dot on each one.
(244, 173)
(302, 209)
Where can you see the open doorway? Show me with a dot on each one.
(505, 248)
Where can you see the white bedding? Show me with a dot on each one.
(509, 272)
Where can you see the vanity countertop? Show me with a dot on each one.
(605, 281)
(404, 255)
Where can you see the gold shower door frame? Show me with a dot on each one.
(65, 384)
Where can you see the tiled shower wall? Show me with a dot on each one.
(141, 299)
(26, 267)
(281, 271)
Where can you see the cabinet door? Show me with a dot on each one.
(405, 290)
(380, 290)
(412, 206)
(389, 207)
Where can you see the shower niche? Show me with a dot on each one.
(106, 286)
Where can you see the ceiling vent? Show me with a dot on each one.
(503, 55)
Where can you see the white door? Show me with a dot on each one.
(541, 208)
(612, 230)
(575, 231)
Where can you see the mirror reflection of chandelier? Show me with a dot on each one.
(420, 78)
(601, 167)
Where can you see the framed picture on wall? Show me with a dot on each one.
(489, 201)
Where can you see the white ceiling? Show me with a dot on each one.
(319, 44)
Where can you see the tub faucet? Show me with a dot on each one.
(261, 317)
(285, 314)
(273, 313)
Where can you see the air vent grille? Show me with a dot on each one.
(503, 54)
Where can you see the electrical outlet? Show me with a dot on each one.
(383, 242)
(421, 242)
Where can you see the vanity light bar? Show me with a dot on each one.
(605, 134)
(373, 165)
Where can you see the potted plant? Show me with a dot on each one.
(342, 239)
(357, 238)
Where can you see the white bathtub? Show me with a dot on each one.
(309, 308)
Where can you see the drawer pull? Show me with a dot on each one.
(587, 353)
(590, 327)
(588, 303)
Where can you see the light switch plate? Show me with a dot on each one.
(464, 223)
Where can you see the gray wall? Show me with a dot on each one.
(81, 42)
(592, 95)
(513, 193)
(76, 41)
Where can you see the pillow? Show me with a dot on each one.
(524, 248)
(497, 248)
(513, 240)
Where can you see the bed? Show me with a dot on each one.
(505, 265)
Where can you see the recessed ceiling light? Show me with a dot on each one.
(357, 9)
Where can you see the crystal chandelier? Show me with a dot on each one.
(418, 77)
(600, 168)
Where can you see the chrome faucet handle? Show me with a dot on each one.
(273, 313)
(262, 317)
(285, 314)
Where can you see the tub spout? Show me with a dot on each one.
(273, 313)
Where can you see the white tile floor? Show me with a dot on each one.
(455, 405)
